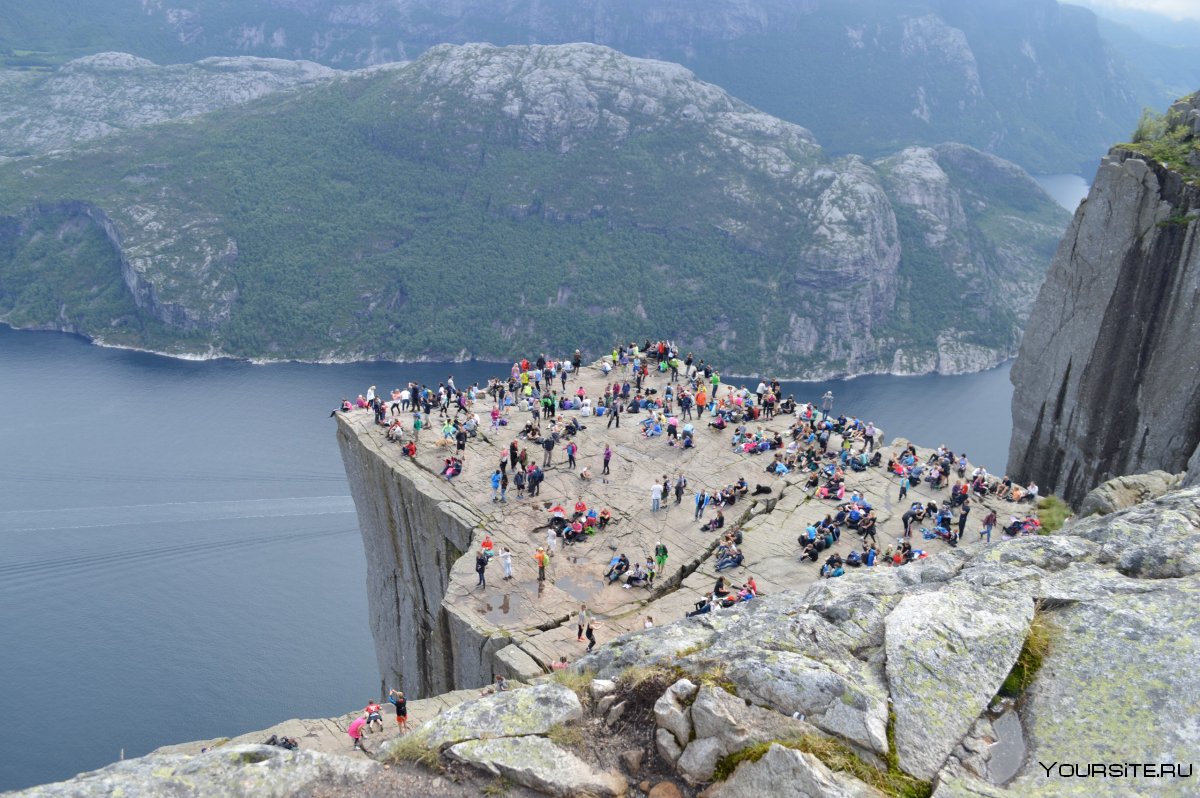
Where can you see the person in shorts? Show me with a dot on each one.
(374, 714)
(401, 704)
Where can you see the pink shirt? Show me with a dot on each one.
(355, 730)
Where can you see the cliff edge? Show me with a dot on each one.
(435, 629)
(1107, 379)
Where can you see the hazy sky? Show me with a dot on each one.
(1176, 9)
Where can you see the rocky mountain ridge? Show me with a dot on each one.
(1107, 378)
(1030, 80)
(256, 232)
(108, 93)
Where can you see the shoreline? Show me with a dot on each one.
(215, 355)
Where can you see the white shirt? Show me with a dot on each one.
(656, 491)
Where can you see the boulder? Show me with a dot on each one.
(947, 655)
(672, 711)
(1152, 540)
(239, 770)
(602, 687)
(531, 710)
(724, 724)
(1122, 492)
(514, 663)
(1118, 685)
(840, 696)
(539, 764)
(785, 772)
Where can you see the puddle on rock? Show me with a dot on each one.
(1007, 754)
(498, 615)
(575, 590)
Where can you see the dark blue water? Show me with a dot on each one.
(179, 557)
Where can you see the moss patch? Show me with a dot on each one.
(1033, 653)
(566, 735)
(414, 749)
(578, 682)
(838, 757)
(1052, 512)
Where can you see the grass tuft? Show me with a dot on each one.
(565, 735)
(577, 681)
(411, 748)
(1033, 653)
(497, 787)
(838, 757)
(1052, 512)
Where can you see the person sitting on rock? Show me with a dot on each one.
(703, 607)
(733, 559)
(575, 533)
(637, 576)
(714, 523)
(618, 566)
(605, 518)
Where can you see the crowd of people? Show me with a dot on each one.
(667, 394)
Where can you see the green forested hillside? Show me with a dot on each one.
(483, 201)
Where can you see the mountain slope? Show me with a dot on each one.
(484, 200)
(1029, 80)
(104, 94)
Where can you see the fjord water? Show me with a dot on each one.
(179, 556)
(1066, 189)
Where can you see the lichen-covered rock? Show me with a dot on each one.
(947, 655)
(1118, 685)
(531, 710)
(1121, 492)
(842, 697)
(252, 771)
(1152, 540)
(672, 710)
(539, 764)
(724, 724)
(785, 772)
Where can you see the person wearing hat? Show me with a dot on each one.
(539, 557)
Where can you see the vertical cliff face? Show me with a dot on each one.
(1108, 377)
(414, 532)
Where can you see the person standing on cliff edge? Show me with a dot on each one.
(481, 561)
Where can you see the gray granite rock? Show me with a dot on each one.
(724, 724)
(539, 764)
(785, 772)
(947, 655)
(1106, 382)
(249, 771)
(1126, 491)
(530, 710)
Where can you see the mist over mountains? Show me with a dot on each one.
(1032, 81)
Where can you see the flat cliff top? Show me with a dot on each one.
(539, 616)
